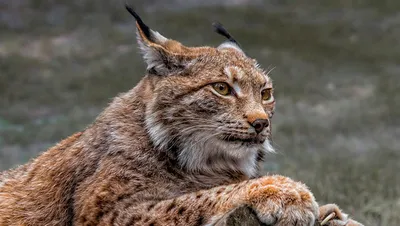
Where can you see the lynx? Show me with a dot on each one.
(183, 147)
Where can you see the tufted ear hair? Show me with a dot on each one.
(163, 56)
(231, 42)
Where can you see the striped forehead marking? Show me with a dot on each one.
(234, 72)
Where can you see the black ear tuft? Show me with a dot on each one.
(222, 31)
(143, 27)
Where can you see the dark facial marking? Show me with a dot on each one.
(206, 106)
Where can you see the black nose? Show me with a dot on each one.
(260, 124)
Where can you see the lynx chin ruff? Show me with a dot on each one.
(183, 147)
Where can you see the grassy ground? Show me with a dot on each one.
(336, 76)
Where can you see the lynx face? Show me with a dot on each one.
(210, 108)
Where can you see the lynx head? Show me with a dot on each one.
(210, 108)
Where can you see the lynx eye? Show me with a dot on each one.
(266, 95)
(222, 88)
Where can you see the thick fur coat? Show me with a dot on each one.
(183, 147)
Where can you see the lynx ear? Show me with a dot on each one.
(162, 56)
(231, 43)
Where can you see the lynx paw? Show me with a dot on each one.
(279, 200)
(331, 215)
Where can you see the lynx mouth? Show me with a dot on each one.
(246, 141)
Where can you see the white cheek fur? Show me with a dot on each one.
(203, 151)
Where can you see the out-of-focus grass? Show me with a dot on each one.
(336, 79)
(364, 185)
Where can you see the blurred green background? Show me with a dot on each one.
(337, 81)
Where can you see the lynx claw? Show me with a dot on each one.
(331, 215)
(328, 218)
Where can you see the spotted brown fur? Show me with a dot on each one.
(145, 159)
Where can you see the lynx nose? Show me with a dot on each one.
(260, 124)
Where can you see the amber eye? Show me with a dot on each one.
(267, 95)
(222, 88)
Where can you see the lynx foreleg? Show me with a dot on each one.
(276, 200)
